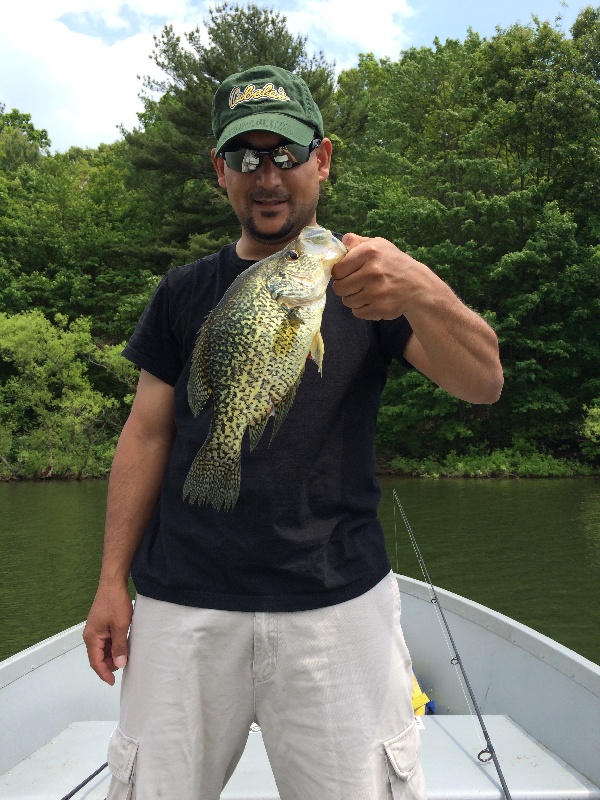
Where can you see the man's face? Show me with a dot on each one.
(272, 204)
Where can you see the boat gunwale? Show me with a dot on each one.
(586, 673)
(25, 661)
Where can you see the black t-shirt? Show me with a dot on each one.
(304, 532)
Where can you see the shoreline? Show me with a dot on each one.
(497, 465)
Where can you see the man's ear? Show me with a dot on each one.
(324, 159)
(219, 165)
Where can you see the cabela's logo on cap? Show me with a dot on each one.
(268, 92)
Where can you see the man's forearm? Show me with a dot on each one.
(454, 346)
(133, 491)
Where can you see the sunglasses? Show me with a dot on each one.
(284, 156)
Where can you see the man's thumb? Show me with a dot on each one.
(119, 650)
(352, 240)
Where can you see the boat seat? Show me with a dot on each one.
(450, 746)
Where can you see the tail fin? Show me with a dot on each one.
(213, 480)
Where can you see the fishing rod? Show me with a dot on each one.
(488, 753)
(74, 791)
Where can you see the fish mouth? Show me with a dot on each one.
(314, 239)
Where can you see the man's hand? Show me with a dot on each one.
(376, 279)
(105, 633)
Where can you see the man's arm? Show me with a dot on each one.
(133, 489)
(450, 344)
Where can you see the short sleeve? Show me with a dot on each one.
(154, 346)
(393, 338)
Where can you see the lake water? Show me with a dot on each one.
(530, 549)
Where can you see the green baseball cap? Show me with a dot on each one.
(265, 98)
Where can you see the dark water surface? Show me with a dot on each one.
(527, 548)
(530, 549)
(50, 552)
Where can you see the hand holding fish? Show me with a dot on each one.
(376, 279)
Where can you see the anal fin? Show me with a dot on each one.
(256, 431)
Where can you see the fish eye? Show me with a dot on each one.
(293, 255)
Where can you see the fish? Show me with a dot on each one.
(250, 355)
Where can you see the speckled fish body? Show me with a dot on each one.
(250, 355)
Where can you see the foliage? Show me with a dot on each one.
(54, 422)
(590, 432)
(479, 157)
(20, 140)
(73, 235)
(505, 463)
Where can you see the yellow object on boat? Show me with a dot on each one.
(419, 699)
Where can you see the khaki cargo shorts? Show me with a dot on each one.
(330, 688)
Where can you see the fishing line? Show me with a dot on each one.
(488, 753)
(444, 634)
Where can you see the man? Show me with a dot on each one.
(284, 610)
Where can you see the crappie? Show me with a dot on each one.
(250, 355)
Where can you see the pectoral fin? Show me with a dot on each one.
(317, 350)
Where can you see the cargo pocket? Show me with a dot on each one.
(404, 764)
(122, 754)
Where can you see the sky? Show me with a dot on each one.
(75, 65)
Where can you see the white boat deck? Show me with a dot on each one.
(450, 746)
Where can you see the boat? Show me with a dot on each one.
(539, 703)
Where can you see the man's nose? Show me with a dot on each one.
(268, 175)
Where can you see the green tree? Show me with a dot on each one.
(20, 141)
(480, 158)
(75, 239)
(54, 422)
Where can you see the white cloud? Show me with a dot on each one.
(79, 87)
(346, 29)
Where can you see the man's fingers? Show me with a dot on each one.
(98, 649)
(352, 261)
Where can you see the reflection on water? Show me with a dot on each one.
(530, 549)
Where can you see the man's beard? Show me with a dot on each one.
(284, 234)
(289, 229)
